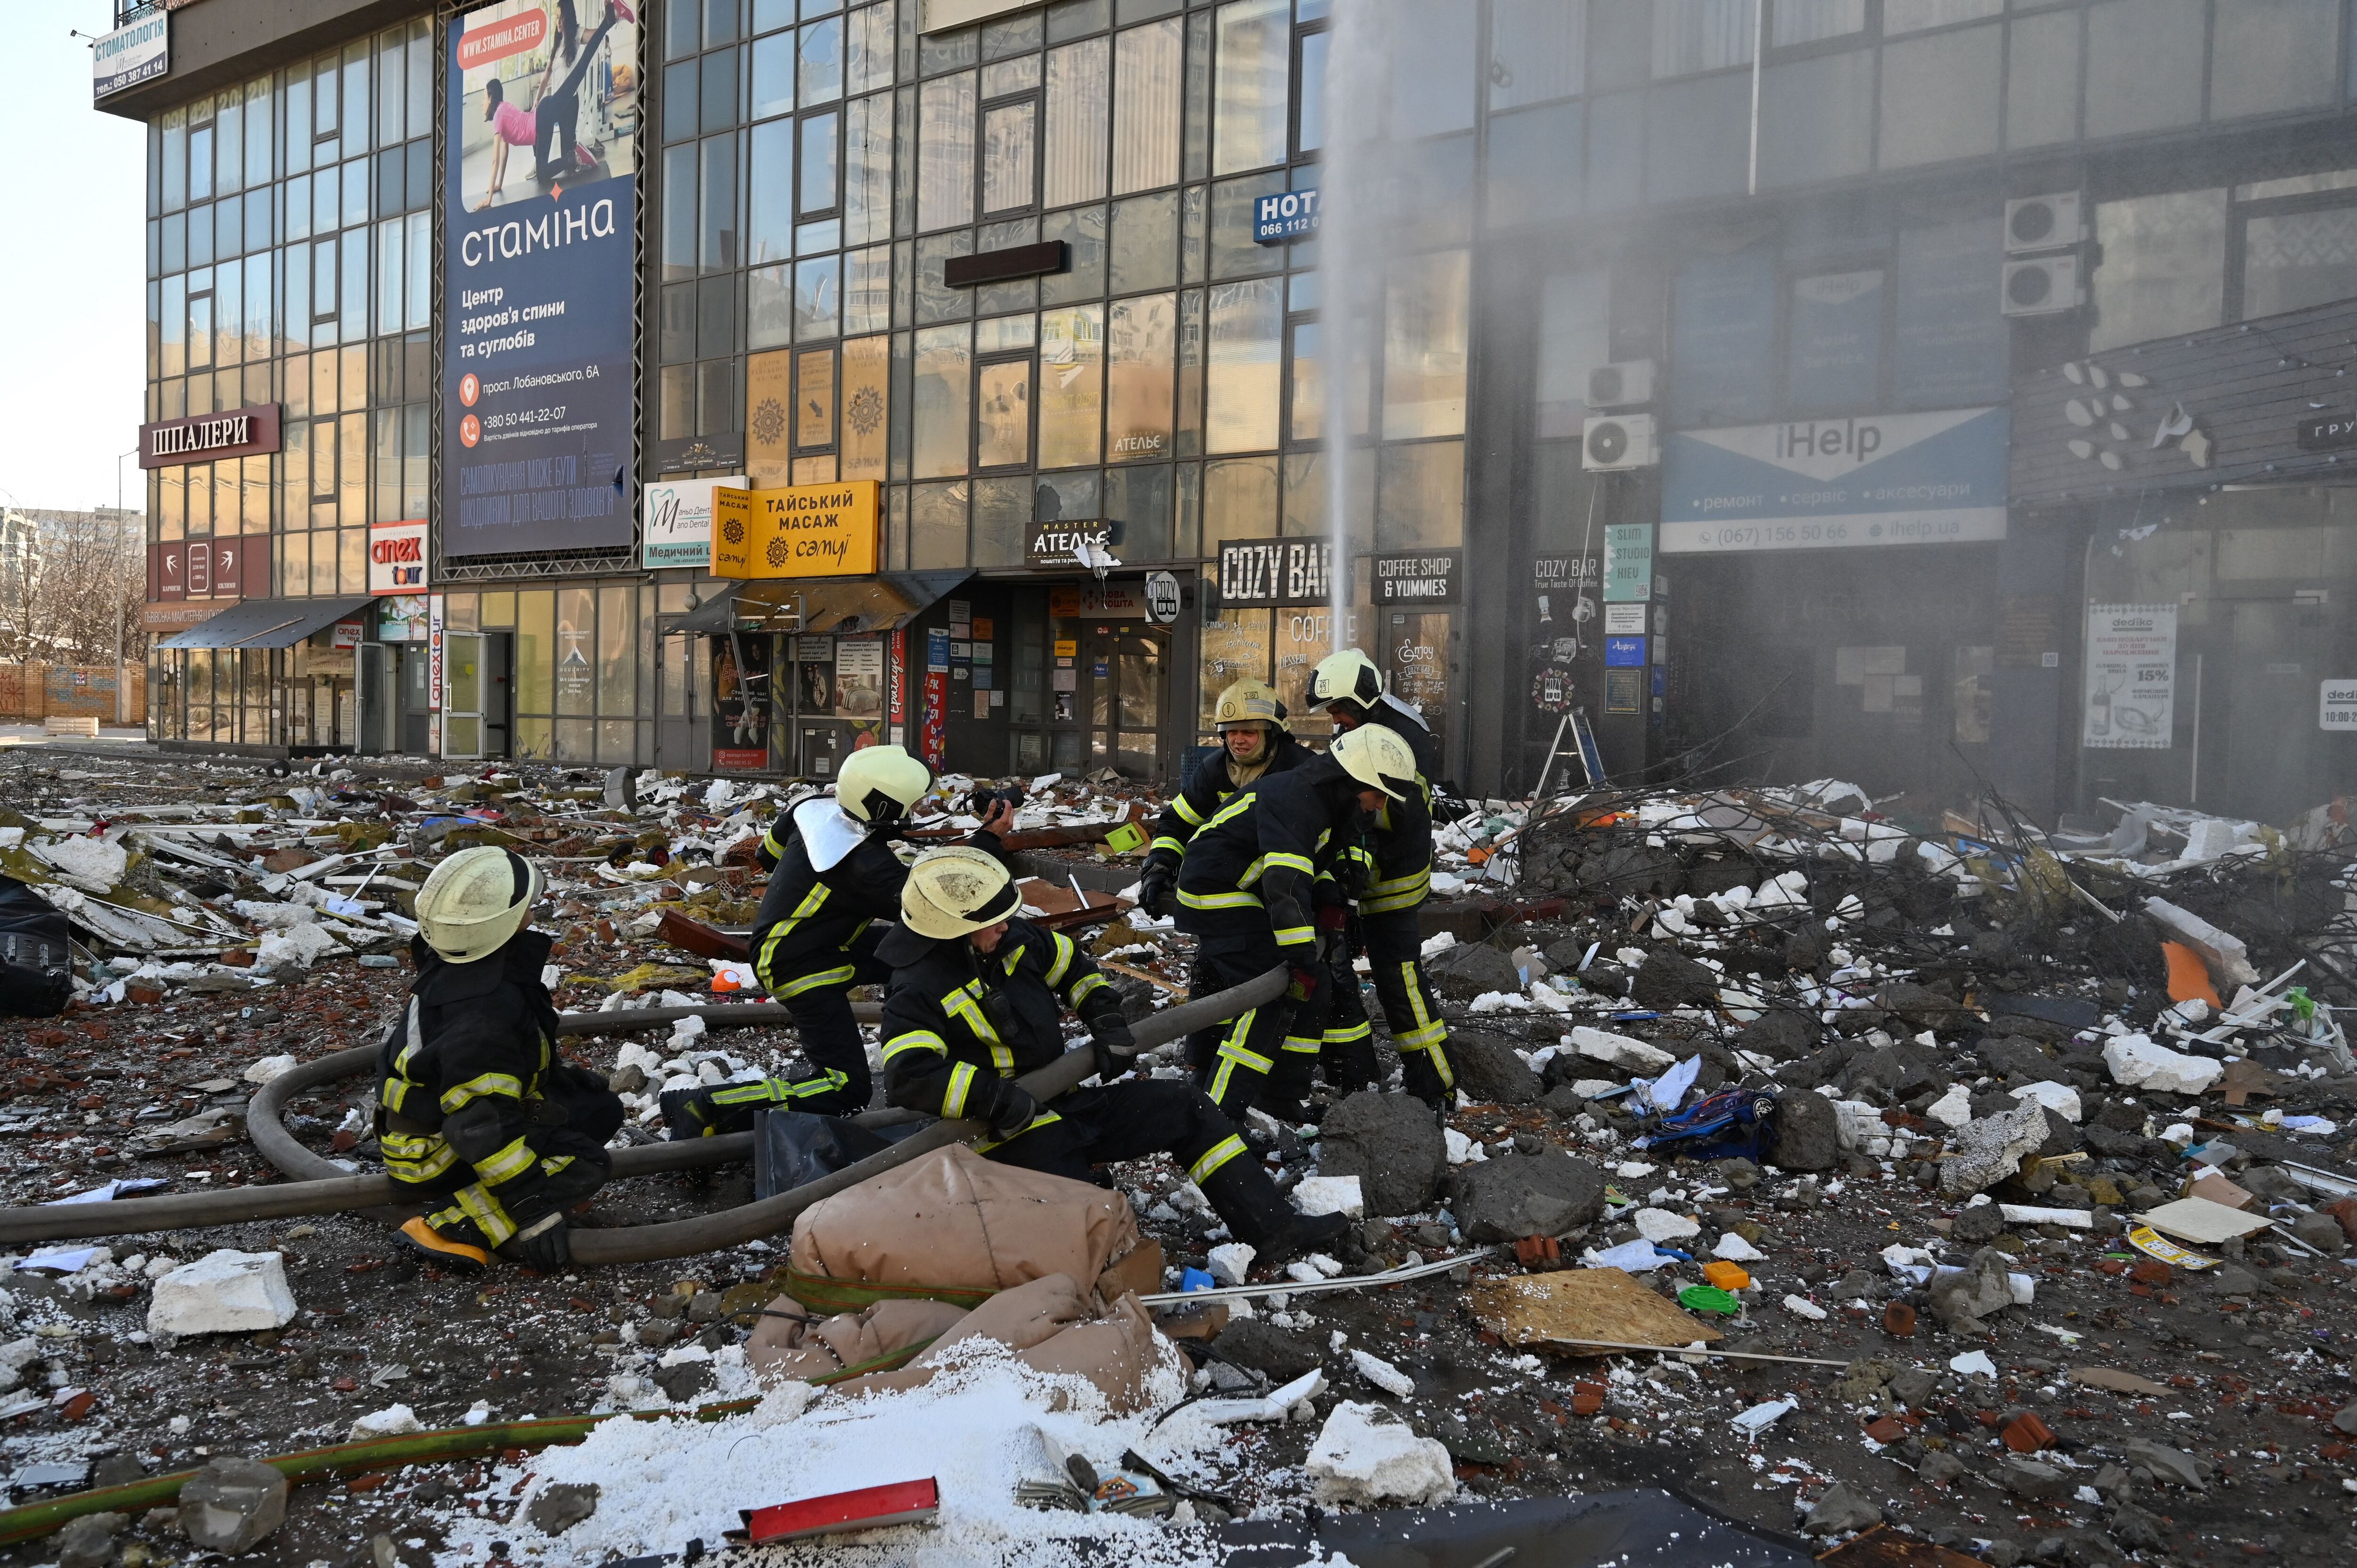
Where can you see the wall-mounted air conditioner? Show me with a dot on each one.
(1615, 442)
(2044, 223)
(2044, 285)
(1628, 384)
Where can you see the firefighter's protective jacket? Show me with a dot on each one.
(471, 1095)
(818, 904)
(1265, 859)
(1208, 787)
(959, 1024)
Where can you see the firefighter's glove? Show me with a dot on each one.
(1015, 1109)
(1115, 1046)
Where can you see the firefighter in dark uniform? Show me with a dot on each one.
(1252, 743)
(833, 891)
(1257, 890)
(477, 1116)
(974, 1003)
(1395, 879)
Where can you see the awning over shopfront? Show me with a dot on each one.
(267, 623)
(840, 606)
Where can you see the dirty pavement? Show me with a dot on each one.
(1963, 1186)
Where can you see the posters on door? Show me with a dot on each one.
(2131, 680)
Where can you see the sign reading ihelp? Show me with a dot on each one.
(2336, 707)
(1898, 479)
(799, 531)
(1276, 571)
(1287, 215)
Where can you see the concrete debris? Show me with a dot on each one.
(2136, 1063)
(1991, 1148)
(559, 1507)
(1382, 1374)
(1840, 1510)
(1543, 1194)
(1367, 1456)
(88, 1541)
(224, 1292)
(1392, 1143)
(232, 1504)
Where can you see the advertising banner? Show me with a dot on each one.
(2131, 682)
(799, 531)
(676, 527)
(1276, 571)
(129, 55)
(540, 212)
(1628, 562)
(1427, 577)
(1809, 484)
(397, 557)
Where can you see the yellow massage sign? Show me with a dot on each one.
(801, 530)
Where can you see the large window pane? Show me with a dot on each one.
(1247, 322)
(1432, 48)
(1701, 35)
(1141, 344)
(773, 75)
(679, 212)
(1833, 356)
(768, 182)
(719, 90)
(1145, 112)
(1254, 68)
(1072, 385)
(1425, 341)
(1420, 497)
(1309, 136)
(1808, 21)
(1939, 97)
(820, 137)
(937, 523)
(1574, 336)
(2298, 258)
(1002, 415)
(1145, 243)
(817, 297)
(945, 124)
(868, 170)
(2041, 102)
(1079, 96)
(822, 62)
(943, 403)
(2163, 269)
(1009, 156)
(717, 236)
(1913, 15)
(868, 50)
(2144, 65)
(1535, 165)
(2269, 56)
(1537, 50)
(1816, 118)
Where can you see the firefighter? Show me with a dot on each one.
(834, 892)
(475, 1114)
(974, 1003)
(1396, 878)
(1253, 743)
(1256, 889)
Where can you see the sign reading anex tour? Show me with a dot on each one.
(240, 433)
(799, 531)
(397, 557)
(1276, 572)
(1428, 577)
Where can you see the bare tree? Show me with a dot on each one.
(79, 586)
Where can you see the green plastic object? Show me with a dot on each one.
(1708, 1298)
(2303, 1005)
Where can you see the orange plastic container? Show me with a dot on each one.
(1726, 1275)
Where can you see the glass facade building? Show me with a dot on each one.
(1817, 228)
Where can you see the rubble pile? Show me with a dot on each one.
(1931, 1193)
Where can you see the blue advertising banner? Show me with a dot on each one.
(1624, 652)
(1835, 356)
(1286, 216)
(1952, 339)
(1722, 337)
(1897, 479)
(540, 212)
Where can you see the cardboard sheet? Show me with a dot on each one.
(1604, 1304)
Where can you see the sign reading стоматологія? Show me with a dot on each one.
(1803, 483)
(540, 212)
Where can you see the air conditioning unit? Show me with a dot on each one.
(2044, 285)
(2044, 223)
(1614, 442)
(1628, 384)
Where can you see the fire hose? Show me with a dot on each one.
(321, 1186)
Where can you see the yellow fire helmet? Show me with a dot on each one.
(881, 783)
(1248, 702)
(955, 890)
(1349, 676)
(475, 901)
(1377, 757)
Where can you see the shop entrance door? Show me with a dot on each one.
(1125, 681)
(475, 694)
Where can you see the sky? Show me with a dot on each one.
(72, 277)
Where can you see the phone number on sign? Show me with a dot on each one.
(1772, 535)
(553, 414)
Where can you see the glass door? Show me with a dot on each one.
(462, 694)
(1125, 671)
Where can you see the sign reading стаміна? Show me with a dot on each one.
(1805, 484)
(799, 531)
(540, 216)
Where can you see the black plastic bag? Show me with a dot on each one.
(36, 954)
(791, 1147)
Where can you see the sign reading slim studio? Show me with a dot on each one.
(240, 433)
